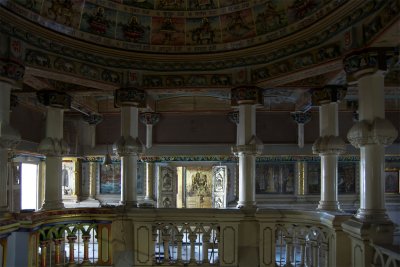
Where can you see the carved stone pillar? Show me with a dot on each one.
(11, 72)
(53, 145)
(371, 133)
(128, 145)
(329, 145)
(149, 119)
(89, 134)
(300, 118)
(248, 145)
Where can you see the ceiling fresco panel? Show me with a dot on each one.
(168, 31)
(133, 28)
(98, 20)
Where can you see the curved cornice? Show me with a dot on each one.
(314, 35)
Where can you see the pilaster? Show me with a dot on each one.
(329, 145)
(128, 145)
(53, 146)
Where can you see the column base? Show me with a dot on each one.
(246, 205)
(146, 204)
(52, 205)
(329, 205)
(372, 215)
(129, 204)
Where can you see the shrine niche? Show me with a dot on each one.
(198, 187)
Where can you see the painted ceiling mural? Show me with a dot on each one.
(176, 26)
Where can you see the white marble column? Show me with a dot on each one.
(149, 119)
(89, 131)
(248, 145)
(329, 145)
(128, 145)
(53, 146)
(371, 134)
(148, 199)
(300, 118)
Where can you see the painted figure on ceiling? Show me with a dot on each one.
(203, 34)
(98, 22)
(134, 31)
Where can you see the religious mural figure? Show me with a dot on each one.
(134, 31)
(98, 22)
(269, 18)
(62, 11)
(200, 185)
(168, 28)
(204, 34)
(236, 25)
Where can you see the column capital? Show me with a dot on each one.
(12, 54)
(246, 94)
(130, 96)
(54, 99)
(149, 118)
(380, 131)
(127, 145)
(329, 145)
(233, 116)
(93, 119)
(254, 147)
(368, 61)
(327, 94)
(53, 147)
(301, 117)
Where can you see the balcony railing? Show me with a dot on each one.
(180, 237)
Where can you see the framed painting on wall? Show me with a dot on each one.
(314, 177)
(275, 178)
(392, 181)
(110, 179)
(347, 177)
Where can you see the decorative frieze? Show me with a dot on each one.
(54, 99)
(130, 96)
(368, 60)
(12, 52)
(327, 94)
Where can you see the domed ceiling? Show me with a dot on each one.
(195, 50)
